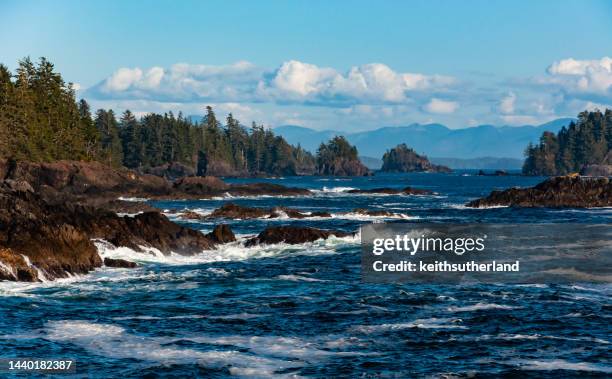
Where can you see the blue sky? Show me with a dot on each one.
(347, 65)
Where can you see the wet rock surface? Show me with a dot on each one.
(558, 192)
(292, 235)
(119, 263)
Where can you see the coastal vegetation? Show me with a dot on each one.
(41, 121)
(404, 159)
(339, 158)
(588, 141)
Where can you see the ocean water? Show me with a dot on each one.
(301, 311)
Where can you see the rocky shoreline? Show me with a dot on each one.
(51, 214)
(558, 192)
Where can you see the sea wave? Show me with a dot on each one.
(480, 307)
(561, 364)
(428, 323)
(234, 251)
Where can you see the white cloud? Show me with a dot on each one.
(583, 76)
(441, 106)
(506, 105)
(293, 81)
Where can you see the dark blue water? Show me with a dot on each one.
(302, 311)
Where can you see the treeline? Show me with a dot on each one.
(40, 120)
(584, 142)
(39, 117)
(209, 147)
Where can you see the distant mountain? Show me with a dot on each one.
(480, 163)
(371, 163)
(433, 140)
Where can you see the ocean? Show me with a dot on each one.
(302, 310)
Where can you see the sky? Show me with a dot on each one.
(342, 65)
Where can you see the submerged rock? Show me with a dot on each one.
(292, 235)
(564, 191)
(119, 263)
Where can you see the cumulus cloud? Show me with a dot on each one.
(441, 106)
(292, 82)
(583, 76)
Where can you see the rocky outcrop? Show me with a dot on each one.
(222, 234)
(392, 191)
(83, 178)
(94, 183)
(235, 211)
(171, 171)
(292, 235)
(42, 240)
(403, 159)
(374, 213)
(344, 167)
(119, 263)
(558, 192)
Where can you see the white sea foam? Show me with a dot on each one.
(510, 337)
(463, 206)
(115, 342)
(480, 307)
(299, 278)
(561, 364)
(133, 199)
(429, 323)
(234, 251)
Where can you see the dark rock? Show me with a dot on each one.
(292, 235)
(563, 191)
(122, 206)
(119, 263)
(375, 213)
(392, 191)
(235, 211)
(81, 182)
(190, 215)
(495, 173)
(57, 238)
(200, 185)
(171, 171)
(222, 234)
(345, 167)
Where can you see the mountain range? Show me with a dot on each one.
(455, 146)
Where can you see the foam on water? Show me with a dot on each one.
(115, 342)
(561, 364)
(480, 307)
(234, 251)
(429, 323)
